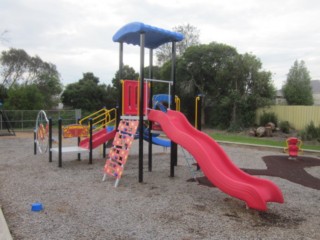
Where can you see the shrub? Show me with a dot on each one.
(266, 117)
(311, 132)
(284, 126)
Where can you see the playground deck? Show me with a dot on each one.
(77, 205)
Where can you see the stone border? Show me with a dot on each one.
(4, 230)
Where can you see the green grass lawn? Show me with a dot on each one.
(236, 138)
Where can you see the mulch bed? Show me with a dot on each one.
(281, 166)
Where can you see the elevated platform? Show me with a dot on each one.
(71, 149)
(124, 117)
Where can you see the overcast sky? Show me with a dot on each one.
(76, 35)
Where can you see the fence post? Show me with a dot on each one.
(50, 139)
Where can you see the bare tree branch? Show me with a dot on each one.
(3, 38)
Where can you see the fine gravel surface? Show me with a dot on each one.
(78, 205)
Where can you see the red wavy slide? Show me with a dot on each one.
(215, 163)
(98, 138)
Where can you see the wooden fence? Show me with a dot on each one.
(297, 116)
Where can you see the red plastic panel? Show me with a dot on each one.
(131, 97)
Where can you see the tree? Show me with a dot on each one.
(297, 90)
(17, 67)
(50, 87)
(25, 97)
(233, 84)
(204, 69)
(250, 89)
(14, 66)
(86, 94)
(191, 38)
(2, 36)
(128, 73)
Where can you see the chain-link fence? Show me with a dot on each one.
(25, 120)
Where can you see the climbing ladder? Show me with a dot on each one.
(118, 154)
(192, 164)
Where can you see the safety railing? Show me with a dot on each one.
(101, 119)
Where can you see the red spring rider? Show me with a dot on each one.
(293, 147)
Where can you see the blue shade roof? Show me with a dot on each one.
(154, 37)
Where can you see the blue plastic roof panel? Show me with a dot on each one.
(154, 37)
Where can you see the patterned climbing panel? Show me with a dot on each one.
(118, 154)
(128, 127)
(122, 140)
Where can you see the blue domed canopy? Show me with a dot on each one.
(154, 37)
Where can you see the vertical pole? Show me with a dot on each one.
(174, 147)
(199, 112)
(150, 106)
(60, 143)
(199, 107)
(35, 141)
(142, 41)
(50, 139)
(79, 154)
(119, 107)
(90, 142)
(106, 129)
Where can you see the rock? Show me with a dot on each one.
(261, 131)
(271, 125)
(252, 132)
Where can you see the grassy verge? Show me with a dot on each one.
(256, 141)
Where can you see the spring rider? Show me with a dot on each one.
(293, 147)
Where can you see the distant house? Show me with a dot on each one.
(315, 84)
(280, 100)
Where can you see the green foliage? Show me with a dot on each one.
(238, 138)
(233, 84)
(297, 90)
(87, 94)
(284, 126)
(18, 68)
(127, 73)
(311, 132)
(267, 117)
(24, 97)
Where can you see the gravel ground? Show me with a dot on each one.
(78, 205)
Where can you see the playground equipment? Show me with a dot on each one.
(92, 131)
(214, 162)
(293, 147)
(118, 154)
(95, 130)
(41, 132)
(4, 120)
